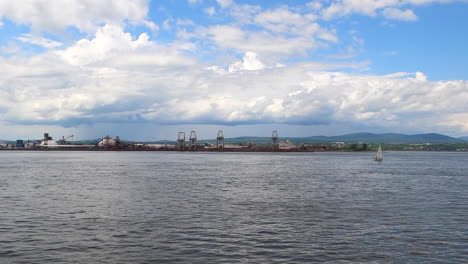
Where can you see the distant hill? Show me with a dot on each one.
(464, 138)
(387, 138)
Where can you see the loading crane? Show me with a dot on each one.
(181, 140)
(63, 139)
(220, 139)
(193, 140)
(274, 138)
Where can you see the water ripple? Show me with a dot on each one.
(142, 207)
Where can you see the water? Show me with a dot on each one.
(148, 207)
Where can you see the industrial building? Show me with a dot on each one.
(220, 144)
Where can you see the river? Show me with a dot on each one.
(170, 207)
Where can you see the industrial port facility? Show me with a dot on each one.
(182, 144)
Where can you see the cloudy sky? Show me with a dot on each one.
(147, 69)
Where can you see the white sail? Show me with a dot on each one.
(379, 154)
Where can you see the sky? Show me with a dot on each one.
(145, 70)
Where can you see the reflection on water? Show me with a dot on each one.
(140, 207)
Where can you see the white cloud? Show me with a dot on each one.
(10, 48)
(391, 53)
(185, 22)
(243, 13)
(398, 14)
(250, 62)
(224, 3)
(346, 7)
(109, 39)
(167, 23)
(116, 77)
(356, 47)
(282, 20)
(61, 86)
(40, 41)
(457, 120)
(152, 26)
(278, 33)
(341, 8)
(267, 44)
(210, 10)
(420, 76)
(262, 42)
(86, 15)
(423, 2)
(315, 5)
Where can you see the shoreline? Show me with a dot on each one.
(219, 151)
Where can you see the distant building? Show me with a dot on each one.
(159, 146)
(286, 145)
(19, 143)
(339, 144)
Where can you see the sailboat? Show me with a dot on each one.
(379, 156)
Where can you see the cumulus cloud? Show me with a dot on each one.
(117, 77)
(275, 33)
(167, 24)
(109, 39)
(152, 26)
(40, 41)
(390, 8)
(210, 10)
(250, 62)
(185, 22)
(96, 74)
(224, 3)
(315, 5)
(282, 20)
(85, 15)
(267, 43)
(114, 76)
(10, 48)
(398, 14)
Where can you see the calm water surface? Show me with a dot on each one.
(149, 207)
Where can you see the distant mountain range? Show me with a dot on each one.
(464, 138)
(387, 138)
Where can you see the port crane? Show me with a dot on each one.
(63, 139)
(193, 140)
(274, 138)
(181, 140)
(220, 139)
